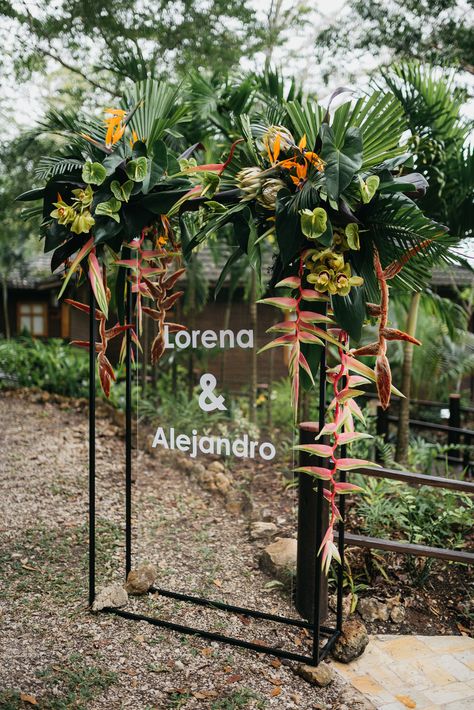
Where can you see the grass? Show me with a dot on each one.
(52, 562)
(73, 684)
(240, 698)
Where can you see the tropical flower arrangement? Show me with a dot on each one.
(331, 194)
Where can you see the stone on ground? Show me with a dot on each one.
(321, 675)
(352, 642)
(261, 529)
(373, 610)
(279, 558)
(141, 579)
(112, 596)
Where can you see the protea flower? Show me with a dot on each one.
(269, 192)
(250, 182)
(285, 139)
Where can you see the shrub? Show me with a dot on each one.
(51, 365)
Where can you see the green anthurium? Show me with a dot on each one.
(94, 173)
(110, 208)
(137, 169)
(352, 235)
(368, 188)
(314, 222)
(121, 192)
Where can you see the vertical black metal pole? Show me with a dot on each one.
(319, 519)
(128, 435)
(92, 356)
(305, 555)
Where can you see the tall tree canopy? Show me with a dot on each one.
(104, 41)
(435, 31)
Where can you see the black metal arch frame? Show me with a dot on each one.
(320, 632)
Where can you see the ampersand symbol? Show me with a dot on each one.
(208, 401)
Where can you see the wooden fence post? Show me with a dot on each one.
(382, 428)
(454, 438)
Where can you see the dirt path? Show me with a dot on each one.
(55, 651)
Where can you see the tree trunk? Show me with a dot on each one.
(5, 309)
(253, 352)
(403, 434)
(226, 325)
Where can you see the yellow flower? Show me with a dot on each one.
(63, 213)
(330, 273)
(344, 281)
(322, 278)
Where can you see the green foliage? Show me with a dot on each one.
(341, 163)
(439, 31)
(161, 42)
(51, 365)
(440, 138)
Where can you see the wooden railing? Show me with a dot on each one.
(400, 546)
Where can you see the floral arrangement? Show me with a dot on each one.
(332, 194)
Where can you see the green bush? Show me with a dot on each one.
(51, 365)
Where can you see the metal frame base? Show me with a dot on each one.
(332, 634)
(319, 651)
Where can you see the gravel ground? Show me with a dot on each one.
(54, 653)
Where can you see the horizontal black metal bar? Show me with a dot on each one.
(201, 601)
(328, 645)
(408, 548)
(189, 630)
(420, 402)
(420, 424)
(419, 478)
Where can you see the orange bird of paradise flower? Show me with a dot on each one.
(115, 125)
(309, 158)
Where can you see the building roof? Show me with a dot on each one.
(452, 276)
(36, 273)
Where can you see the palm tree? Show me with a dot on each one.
(439, 135)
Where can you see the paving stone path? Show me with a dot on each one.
(422, 672)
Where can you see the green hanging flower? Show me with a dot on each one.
(352, 236)
(94, 173)
(83, 222)
(83, 197)
(109, 208)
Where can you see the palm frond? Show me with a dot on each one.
(382, 122)
(395, 226)
(430, 99)
(51, 165)
(305, 118)
(161, 107)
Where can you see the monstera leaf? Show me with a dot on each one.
(343, 162)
